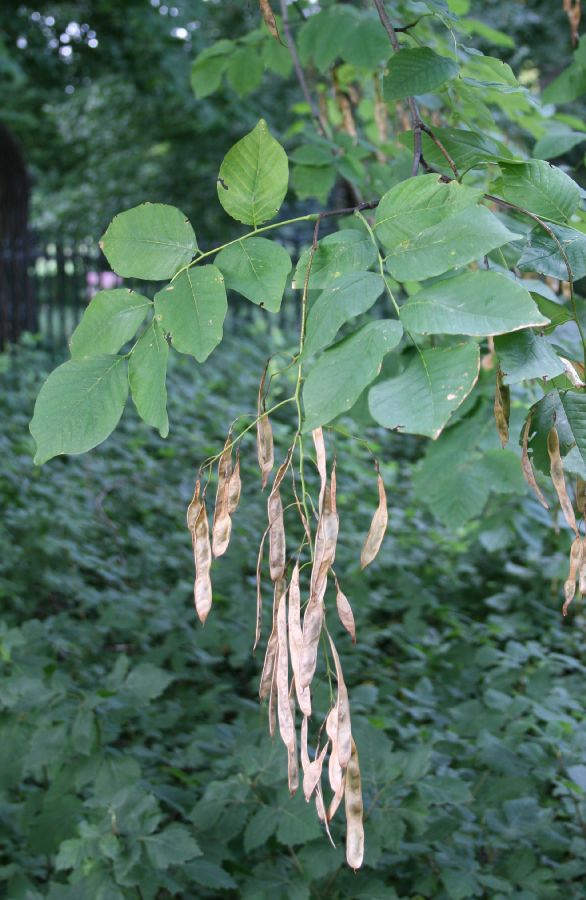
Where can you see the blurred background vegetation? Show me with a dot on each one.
(134, 758)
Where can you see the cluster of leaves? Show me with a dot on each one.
(134, 759)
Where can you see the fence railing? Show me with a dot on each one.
(45, 286)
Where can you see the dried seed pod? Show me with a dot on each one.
(343, 723)
(312, 625)
(557, 476)
(268, 669)
(312, 773)
(345, 613)
(234, 487)
(354, 812)
(264, 437)
(581, 495)
(325, 540)
(527, 468)
(259, 591)
(335, 771)
(292, 760)
(378, 527)
(502, 408)
(296, 641)
(269, 18)
(576, 559)
(277, 542)
(194, 508)
(286, 723)
(320, 452)
(583, 579)
(222, 526)
(202, 552)
(321, 813)
(273, 704)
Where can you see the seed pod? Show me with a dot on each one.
(292, 760)
(194, 508)
(268, 669)
(234, 487)
(277, 542)
(576, 558)
(264, 437)
(296, 641)
(202, 552)
(343, 724)
(583, 579)
(222, 526)
(312, 625)
(527, 468)
(354, 812)
(269, 18)
(345, 613)
(273, 704)
(286, 723)
(502, 408)
(378, 527)
(312, 773)
(581, 495)
(259, 591)
(325, 541)
(557, 476)
(335, 771)
(320, 452)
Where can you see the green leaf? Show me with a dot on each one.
(422, 398)
(79, 405)
(209, 875)
(311, 155)
(151, 241)
(259, 829)
(245, 70)
(321, 36)
(257, 269)
(455, 242)
(192, 309)
(170, 847)
(347, 297)
(417, 204)
(297, 823)
(542, 253)
(416, 71)
(147, 373)
(337, 254)
(253, 177)
(367, 45)
(147, 681)
(568, 86)
(539, 187)
(466, 148)
(526, 355)
(110, 320)
(552, 410)
(557, 143)
(449, 482)
(208, 68)
(487, 71)
(459, 884)
(574, 405)
(476, 303)
(555, 312)
(337, 380)
(313, 181)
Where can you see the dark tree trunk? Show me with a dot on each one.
(17, 312)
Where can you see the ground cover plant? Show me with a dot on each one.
(135, 758)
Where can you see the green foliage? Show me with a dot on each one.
(417, 71)
(133, 755)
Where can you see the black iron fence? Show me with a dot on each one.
(45, 286)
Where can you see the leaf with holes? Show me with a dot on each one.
(192, 309)
(257, 269)
(422, 398)
(253, 177)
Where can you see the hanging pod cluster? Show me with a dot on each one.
(298, 628)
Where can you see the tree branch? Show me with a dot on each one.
(321, 124)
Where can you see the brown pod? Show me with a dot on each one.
(527, 468)
(581, 495)
(222, 526)
(264, 437)
(378, 527)
(557, 476)
(202, 552)
(354, 812)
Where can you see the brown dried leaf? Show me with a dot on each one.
(296, 641)
(354, 812)
(269, 19)
(502, 408)
(378, 527)
(527, 468)
(222, 526)
(345, 613)
(557, 476)
(202, 552)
